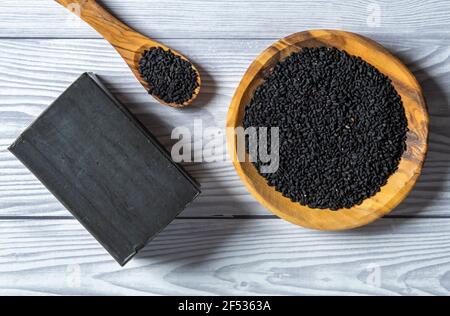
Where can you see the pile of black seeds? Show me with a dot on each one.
(342, 127)
(171, 78)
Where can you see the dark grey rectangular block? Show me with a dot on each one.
(105, 167)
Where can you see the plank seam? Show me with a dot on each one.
(430, 36)
(221, 217)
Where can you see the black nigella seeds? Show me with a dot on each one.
(170, 78)
(342, 127)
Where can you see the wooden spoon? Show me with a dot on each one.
(399, 184)
(128, 43)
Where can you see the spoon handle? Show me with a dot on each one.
(111, 28)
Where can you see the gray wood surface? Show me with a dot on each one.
(231, 19)
(46, 67)
(231, 257)
(43, 250)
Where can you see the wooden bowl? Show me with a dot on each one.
(398, 185)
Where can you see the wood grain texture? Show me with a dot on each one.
(46, 67)
(399, 184)
(231, 19)
(231, 257)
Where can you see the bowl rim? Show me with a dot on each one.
(398, 185)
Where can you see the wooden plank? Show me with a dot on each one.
(232, 19)
(31, 80)
(231, 257)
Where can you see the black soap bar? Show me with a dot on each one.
(105, 167)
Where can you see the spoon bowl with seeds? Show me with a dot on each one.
(398, 184)
(133, 46)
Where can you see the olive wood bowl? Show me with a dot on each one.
(398, 185)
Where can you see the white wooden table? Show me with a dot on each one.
(225, 242)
